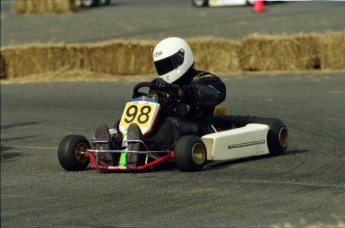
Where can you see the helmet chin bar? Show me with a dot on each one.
(166, 78)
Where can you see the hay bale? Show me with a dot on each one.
(3, 67)
(44, 6)
(280, 53)
(120, 57)
(332, 52)
(215, 54)
(28, 59)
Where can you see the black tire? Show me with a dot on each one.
(92, 3)
(69, 154)
(89, 3)
(277, 137)
(190, 153)
(200, 3)
(104, 2)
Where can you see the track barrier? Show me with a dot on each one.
(222, 56)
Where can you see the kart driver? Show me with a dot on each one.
(198, 93)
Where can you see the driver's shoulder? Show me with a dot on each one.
(202, 76)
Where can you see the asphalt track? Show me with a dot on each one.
(304, 186)
(157, 19)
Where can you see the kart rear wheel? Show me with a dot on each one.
(69, 153)
(277, 137)
(190, 153)
(200, 3)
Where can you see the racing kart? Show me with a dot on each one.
(232, 137)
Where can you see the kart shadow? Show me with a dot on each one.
(221, 164)
(170, 167)
(167, 167)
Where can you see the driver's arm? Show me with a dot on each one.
(206, 92)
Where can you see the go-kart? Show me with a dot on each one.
(232, 137)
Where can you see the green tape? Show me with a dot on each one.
(123, 160)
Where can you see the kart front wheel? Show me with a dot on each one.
(69, 153)
(190, 153)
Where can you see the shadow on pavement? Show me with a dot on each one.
(220, 164)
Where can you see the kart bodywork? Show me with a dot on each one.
(232, 137)
(217, 3)
(220, 3)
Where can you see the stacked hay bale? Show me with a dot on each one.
(3, 67)
(216, 55)
(44, 6)
(32, 59)
(121, 57)
(333, 51)
(117, 58)
(280, 53)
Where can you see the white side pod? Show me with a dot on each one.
(227, 2)
(247, 141)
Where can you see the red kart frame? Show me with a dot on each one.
(166, 158)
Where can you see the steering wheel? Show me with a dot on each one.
(138, 86)
(164, 96)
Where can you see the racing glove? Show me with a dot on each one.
(161, 85)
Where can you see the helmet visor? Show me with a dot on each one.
(170, 63)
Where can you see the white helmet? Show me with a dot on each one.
(172, 57)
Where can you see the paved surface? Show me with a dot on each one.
(304, 186)
(144, 19)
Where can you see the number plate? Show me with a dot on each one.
(142, 113)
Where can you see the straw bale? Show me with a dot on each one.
(275, 53)
(3, 67)
(215, 54)
(119, 57)
(333, 51)
(44, 6)
(31, 59)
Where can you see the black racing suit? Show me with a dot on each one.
(193, 114)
